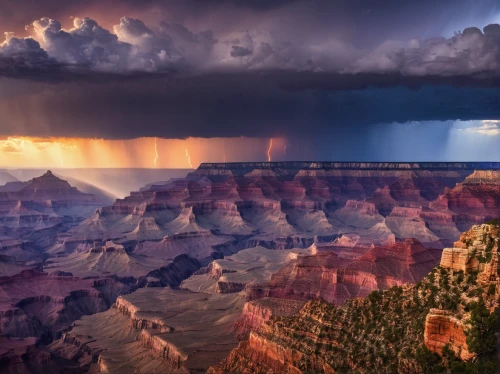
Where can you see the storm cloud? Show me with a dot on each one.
(239, 104)
(397, 37)
(307, 69)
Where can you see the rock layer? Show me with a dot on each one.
(403, 329)
(331, 276)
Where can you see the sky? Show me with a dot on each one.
(129, 83)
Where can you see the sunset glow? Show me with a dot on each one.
(32, 152)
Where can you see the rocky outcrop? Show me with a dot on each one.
(163, 349)
(229, 287)
(459, 259)
(480, 256)
(175, 331)
(41, 305)
(257, 312)
(335, 278)
(174, 273)
(138, 321)
(159, 236)
(442, 328)
(403, 329)
(22, 356)
(34, 213)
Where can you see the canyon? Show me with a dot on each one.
(446, 322)
(148, 283)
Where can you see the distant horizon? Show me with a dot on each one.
(208, 163)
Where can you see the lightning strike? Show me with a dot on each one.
(269, 150)
(156, 153)
(189, 158)
(284, 150)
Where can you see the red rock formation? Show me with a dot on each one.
(32, 300)
(334, 278)
(257, 312)
(441, 328)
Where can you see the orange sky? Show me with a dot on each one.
(26, 152)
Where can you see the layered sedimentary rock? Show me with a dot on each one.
(240, 271)
(355, 218)
(443, 327)
(221, 208)
(257, 312)
(177, 330)
(332, 276)
(367, 203)
(38, 304)
(34, 213)
(403, 329)
(22, 355)
(474, 255)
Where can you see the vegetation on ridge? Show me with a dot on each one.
(384, 333)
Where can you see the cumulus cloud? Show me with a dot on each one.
(195, 48)
(85, 45)
(133, 46)
(466, 53)
(19, 55)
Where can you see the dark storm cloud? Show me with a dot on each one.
(238, 51)
(235, 105)
(254, 68)
(134, 47)
(356, 36)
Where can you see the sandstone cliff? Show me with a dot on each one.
(335, 277)
(444, 323)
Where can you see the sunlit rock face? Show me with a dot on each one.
(366, 203)
(221, 208)
(319, 337)
(335, 277)
(181, 330)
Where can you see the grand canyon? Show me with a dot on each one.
(249, 187)
(250, 267)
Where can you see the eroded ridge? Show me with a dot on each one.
(446, 322)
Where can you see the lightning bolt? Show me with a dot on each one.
(284, 150)
(269, 150)
(156, 154)
(189, 158)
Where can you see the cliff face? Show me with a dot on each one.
(41, 305)
(334, 278)
(444, 323)
(443, 327)
(221, 208)
(366, 203)
(166, 330)
(257, 312)
(476, 256)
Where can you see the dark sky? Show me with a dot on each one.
(312, 69)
